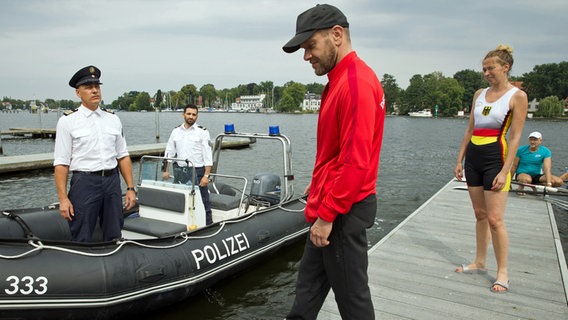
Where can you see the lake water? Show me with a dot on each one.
(418, 158)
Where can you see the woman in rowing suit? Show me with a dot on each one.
(488, 159)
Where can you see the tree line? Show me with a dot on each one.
(547, 83)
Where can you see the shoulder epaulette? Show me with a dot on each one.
(201, 127)
(68, 112)
(109, 111)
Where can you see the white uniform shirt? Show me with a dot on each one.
(190, 143)
(89, 140)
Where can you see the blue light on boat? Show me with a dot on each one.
(273, 130)
(229, 128)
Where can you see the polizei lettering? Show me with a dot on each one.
(218, 251)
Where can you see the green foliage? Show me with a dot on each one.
(178, 100)
(412, 97)
(68, 104)
(208, 94)
(226, 97)
(470, 81)
(50, 103)
(125, 101)
(278, 93)
(16, 103)
(241, 90)
(158, 100)
(315, 87)
(252, 89)
(287, 103)
(141, 102)
(293, 96)
(547, 80)
(429, 91)
(391, 90)
(266, 87)
(187, 94)
(550, 107)
(449, 97)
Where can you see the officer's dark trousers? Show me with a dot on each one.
(341, 266)
(183, 175)
(95, 197)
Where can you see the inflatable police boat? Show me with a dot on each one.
(167, 253)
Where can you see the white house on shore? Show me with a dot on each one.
(249, 103)
(312, 102)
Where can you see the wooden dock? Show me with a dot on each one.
(411, 270)
(22, 163)
(11, 164)
(29, 133)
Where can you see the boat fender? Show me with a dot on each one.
(27, 230)
(192, 226)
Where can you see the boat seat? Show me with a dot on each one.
(153, 227)
(163, 199)
(223, 202)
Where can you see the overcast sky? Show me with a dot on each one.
(146, 45)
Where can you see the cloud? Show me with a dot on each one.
(146, 45)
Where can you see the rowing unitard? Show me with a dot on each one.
(486, 152)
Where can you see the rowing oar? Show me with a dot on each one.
(538, 189)
(543, 189)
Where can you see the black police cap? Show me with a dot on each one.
(89, 74)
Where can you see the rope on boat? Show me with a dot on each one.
(22, 254)
(39, 246)
(302, 200)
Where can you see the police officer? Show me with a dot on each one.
(190, 141)
(90, 144)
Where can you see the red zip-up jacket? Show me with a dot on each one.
(349, 138)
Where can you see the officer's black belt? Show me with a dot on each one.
(103, 173)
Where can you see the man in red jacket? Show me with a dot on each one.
(342, 200)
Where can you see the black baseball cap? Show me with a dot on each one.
(89, 74)
(322, 16)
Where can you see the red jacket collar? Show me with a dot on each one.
(341, 66)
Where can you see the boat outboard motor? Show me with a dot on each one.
(265, 188)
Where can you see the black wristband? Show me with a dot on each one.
(129, 188)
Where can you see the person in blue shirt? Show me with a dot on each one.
(533, 164)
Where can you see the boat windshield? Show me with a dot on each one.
(167, 172)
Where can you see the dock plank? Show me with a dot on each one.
(411, 270)
(32, 132)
